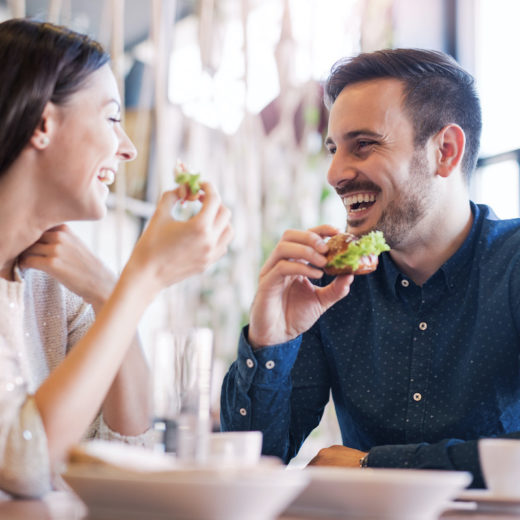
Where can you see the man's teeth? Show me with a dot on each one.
(107, 177)
(358, 198)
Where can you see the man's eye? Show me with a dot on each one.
(363, 145)
(331, 150)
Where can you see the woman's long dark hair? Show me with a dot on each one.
(39, 62)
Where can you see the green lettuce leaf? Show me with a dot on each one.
(372, 243)
(191, 179)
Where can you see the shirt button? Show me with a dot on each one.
(269, 365)
(417, 396)
(423, 325)
(243, 412)
(405, 282)
(250, 363)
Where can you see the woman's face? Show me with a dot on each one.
(87, 143)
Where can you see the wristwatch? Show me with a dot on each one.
(363, 461)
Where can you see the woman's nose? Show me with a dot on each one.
(126, 150)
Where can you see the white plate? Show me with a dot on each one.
(381, 494)
(255, 493)
(487, 501)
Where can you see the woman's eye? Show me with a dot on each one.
(114, 119)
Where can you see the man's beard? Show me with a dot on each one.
(411, 205)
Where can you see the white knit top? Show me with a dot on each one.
(40, 320)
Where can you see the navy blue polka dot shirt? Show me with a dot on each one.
(418, 373)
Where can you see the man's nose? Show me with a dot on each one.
(340, 170)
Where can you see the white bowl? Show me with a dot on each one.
(253, 493)
(382, 494)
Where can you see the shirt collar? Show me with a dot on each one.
(456, 263)
(451, 269)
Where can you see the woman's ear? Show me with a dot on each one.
(450, 143)
(41, 137)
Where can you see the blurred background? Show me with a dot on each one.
(234, 89)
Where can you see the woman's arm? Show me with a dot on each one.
(167, 252)
(61, 254)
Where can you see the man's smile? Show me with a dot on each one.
(357, 202)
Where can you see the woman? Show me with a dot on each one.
(60, 146)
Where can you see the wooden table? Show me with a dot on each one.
(61, 505)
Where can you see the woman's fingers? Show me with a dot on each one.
(167, 202)
(38, 249)
(222, 220)
(225, 238)
(211, 203)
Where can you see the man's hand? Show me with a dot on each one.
(338, 456)
(287, 303)
(61, 254)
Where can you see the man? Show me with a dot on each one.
(421, 356)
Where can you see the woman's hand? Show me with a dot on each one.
(170, 250)
(61, 254)
(287, 303)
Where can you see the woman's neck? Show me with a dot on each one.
(21, 223)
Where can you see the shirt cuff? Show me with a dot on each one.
(418, 456)
(393, 456)
(266, 365)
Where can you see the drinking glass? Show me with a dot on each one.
(181, 386)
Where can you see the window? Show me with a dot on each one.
(489, 41)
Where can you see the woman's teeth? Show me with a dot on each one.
(107, 177)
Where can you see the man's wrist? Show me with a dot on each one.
(363, 461)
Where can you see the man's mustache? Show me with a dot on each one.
(355, 186)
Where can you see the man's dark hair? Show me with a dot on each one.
(39, 62)
(437, 92)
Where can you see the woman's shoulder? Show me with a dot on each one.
(45, 291)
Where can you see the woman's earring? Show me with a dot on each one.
(44, 141)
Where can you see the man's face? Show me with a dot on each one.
(383, 181)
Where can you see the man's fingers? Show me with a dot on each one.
(309, 238)
(325, 230)
(303, 250)
(286, 268)
(335, 291)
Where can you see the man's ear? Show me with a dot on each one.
(450, 145)
(42, 134)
